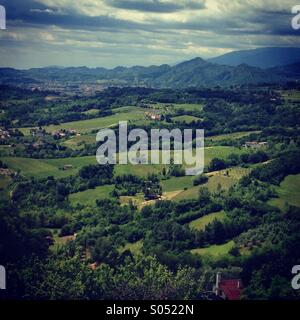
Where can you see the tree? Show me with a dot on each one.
(217, 164)
(204, 196)
(201, 179)
(104, 250)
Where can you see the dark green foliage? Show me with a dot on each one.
(275, 171)
(202, 179)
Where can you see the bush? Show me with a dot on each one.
(201, 179)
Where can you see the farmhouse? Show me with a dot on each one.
(4, 134)
(62, 133)
(255, 144)
(230, 289)
(153, 116)
(68, 167)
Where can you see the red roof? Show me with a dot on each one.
(232, 288)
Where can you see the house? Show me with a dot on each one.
(62, 133)
(4, 134)
(68, 167)
(263, 144)
(229, 289)
(153, 116)
(93, 266)
(255, 144)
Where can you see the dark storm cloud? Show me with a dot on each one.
(157, 6)
(250, 22)
(31, 12)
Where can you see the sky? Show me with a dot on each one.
(108, 33)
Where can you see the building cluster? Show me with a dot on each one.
(63, 133)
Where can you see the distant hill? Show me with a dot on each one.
(193, 73)
(198, 72)
(261, 57)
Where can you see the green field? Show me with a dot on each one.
(293, 95)
(91, 112)
(215, 251)
(226, 178)
(41, 168)
(189, 194)
(221, 152)
(288, 192)
(91, 195)
(142, 170)
(84, 126)
(130, 109)
(201, 223)
(77, 142)
(219, 178)
(187, 107)
(234, 135)
(177, 183)
(185, 118)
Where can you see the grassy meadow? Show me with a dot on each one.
(201, 223)
(215, 251)
(288, 192)
(88, 197)
(84, 126)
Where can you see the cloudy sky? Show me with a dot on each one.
(138, 32)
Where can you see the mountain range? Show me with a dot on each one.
(262, 57)
(235, 68)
